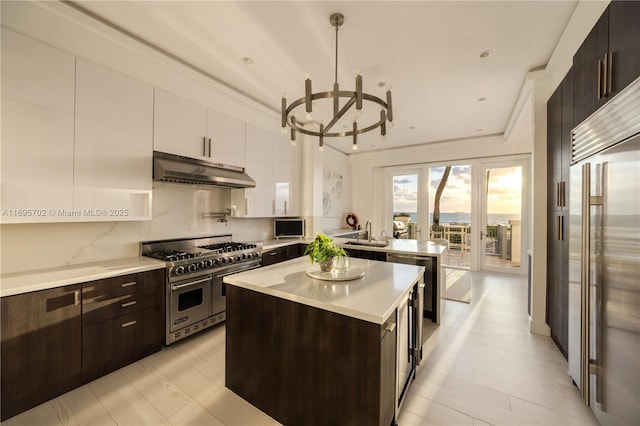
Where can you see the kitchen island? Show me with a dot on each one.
(413, 252)
(308, 351)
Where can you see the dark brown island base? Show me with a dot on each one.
(309, 351)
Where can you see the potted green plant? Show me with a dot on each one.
(322, 250)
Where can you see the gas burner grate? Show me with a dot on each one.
(173, 255)
(227, 247)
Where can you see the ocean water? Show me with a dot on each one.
(458, 217)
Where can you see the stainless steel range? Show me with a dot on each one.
(196, 295)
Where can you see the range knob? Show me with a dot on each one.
(256, 255)
(201, 265)
(208, 263)
(238, 258)
(192, 267)
(179, 270)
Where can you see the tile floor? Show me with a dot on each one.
(481, 366)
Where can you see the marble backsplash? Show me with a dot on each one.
(178, 212)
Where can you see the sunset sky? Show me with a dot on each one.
(504, 190)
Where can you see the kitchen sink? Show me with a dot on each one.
(367, 243)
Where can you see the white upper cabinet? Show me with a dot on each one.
(275, 165)
(287, 176)
(114, 144)
(37, 130)
(227, 136)
(189, 129)
(179, 126)
(76, 138)
(259, 165)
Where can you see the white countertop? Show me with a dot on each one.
(399, 246)
(370, 298)
(43, 279)
(396, 246)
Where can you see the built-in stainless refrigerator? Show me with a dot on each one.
(604, 260)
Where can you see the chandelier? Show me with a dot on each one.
(358, 98)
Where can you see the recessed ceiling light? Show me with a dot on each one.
(382, 84)
(412, 127)
(485, 53)
(478, 130)
(482, 99)
(247, 60)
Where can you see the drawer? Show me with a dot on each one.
(108, 288)
(115, 306)
(114, 343)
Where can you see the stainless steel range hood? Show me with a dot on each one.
(176, 168)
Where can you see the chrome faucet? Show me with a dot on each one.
(367, 228)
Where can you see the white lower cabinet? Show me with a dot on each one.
(275, 165)
(37, 130)
(114, 145)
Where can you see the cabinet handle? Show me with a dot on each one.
(273, 253)
(609, 57)
(129, 284)
(560, 223)
(557, 194)
(209, 147)
(563, 193)
(390, 327)
(246, 206)
(604, 76)
(76, 298)
(204, 146)
(285, 207)
(126, 305)
(128, 324)
(273, 206)
(599, 79)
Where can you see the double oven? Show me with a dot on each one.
(195, 293)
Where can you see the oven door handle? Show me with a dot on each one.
(224, 274)
(189, 284)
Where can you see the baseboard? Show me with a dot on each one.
(540, 328)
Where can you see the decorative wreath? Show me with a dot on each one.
(352, 220)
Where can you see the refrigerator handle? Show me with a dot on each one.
(584, 283)
(597, 241)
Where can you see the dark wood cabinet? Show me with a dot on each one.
(560, 121)
(624, 43)
(320, 367)
(558, 279)
(280, 254)
(41, 347)
(122, 321)
(608, 59)
(58, 339)
(367, 254)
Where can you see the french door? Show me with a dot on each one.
(502, 216)
(482, 207)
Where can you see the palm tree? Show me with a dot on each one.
(436, 201)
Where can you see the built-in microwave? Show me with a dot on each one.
(288, 228)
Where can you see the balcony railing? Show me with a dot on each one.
(497, 238)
